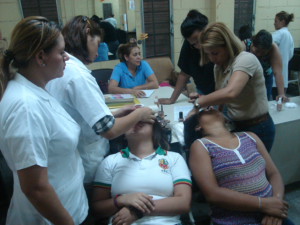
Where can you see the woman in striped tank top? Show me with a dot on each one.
(234, 172)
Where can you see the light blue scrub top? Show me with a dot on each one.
(124, 77)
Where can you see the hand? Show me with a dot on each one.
(270, 220)
(124, 217)
(192, 112)
(146, 115)
(137, 93)
(274, 206)
(193, 96)
(140, 201)
(284, 99)
(165, 101)
(125, 110)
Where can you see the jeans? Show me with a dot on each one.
(269, 84)
(265, 131)
(287, 222)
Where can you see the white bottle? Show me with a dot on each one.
(156, 102)
(279, 104)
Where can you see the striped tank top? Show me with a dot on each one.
(242, 169)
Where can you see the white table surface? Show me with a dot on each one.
(166, 92)
(286, 114)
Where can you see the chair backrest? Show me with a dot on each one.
(294, 64)
(102, 77)
(102, 74)
(162, 67)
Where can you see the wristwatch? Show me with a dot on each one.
(196, 103)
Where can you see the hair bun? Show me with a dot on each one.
(7, 54)
(291, 17)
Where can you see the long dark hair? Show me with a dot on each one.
(193, 21)
(159, 139)
(75, 35)
(190, 134)
(29, 36)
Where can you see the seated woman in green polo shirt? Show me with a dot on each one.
(143, 183)
(131, 75)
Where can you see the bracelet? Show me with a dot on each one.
(259, 204)
(137, 212)
(116, 203)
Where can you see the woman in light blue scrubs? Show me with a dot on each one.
(132, 75)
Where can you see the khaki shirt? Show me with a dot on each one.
(252, 101)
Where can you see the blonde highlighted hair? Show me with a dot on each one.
(218, 35)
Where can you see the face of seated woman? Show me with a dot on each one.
(210, 117)
(134, 59)
(141, 131)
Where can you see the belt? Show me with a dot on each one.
(252, 122)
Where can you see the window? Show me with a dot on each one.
(46, 8)
(243, 14)
(157, 26)
(107, 10)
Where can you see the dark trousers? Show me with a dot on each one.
(113, 47)
(269, 85)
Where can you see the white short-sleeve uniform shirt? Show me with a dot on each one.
(79, 94)
(36, 130)
(285, 42)
(155, 175)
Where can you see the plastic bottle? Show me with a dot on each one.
(156, 102)
(279, 104)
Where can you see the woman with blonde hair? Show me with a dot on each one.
(38, 138)
(239, 83)
(283, 38)
(131, 75)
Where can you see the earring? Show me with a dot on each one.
(43, 64)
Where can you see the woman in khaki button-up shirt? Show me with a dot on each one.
(239, 82)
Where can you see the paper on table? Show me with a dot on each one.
(148, 93)
(184, 109)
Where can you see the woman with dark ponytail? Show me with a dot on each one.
(190, 57)
(38, 138)
(79, 94)
(283, 38)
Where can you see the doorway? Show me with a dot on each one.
(158, 25)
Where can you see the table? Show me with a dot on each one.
(166, 92)
(286, 148)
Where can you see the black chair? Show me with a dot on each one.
(102, 77)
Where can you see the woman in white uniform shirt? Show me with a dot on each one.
(38, 138)
(283, 38)
(78, 92)
(143, 183)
